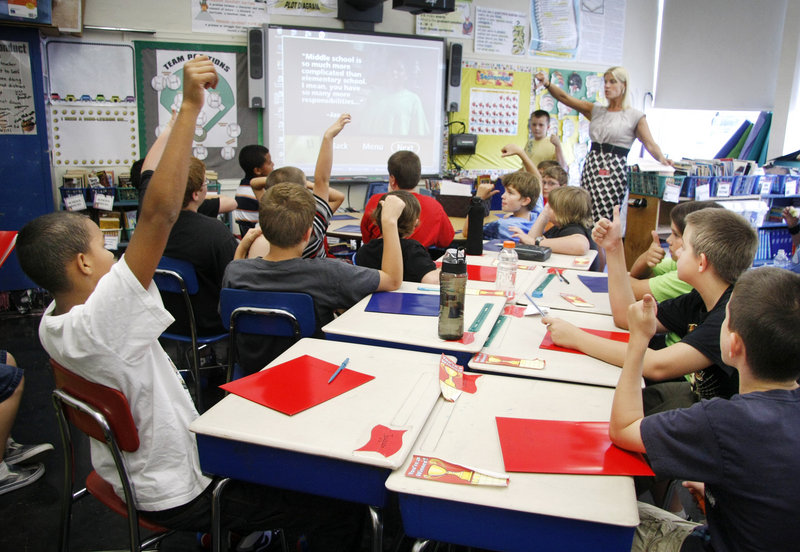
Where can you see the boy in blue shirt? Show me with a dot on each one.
(519, 203)
(743, 450)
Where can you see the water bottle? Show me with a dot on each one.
(781, 260)
(507, 262)
(453, 285)
(475, 227)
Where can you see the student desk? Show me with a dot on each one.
(346, 227)
(489, 258)
(416, 333)
(551, 294)
(536, 511)
(521, 337)
(314, 451)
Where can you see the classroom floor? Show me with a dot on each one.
(30, 516)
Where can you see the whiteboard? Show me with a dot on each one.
(85, 69)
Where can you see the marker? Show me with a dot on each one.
(535, 305)
(561, 275)
(339, 369)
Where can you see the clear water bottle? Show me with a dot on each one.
(453, 285)
(781, 260)
(507, 262)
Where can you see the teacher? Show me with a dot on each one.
(612, 129)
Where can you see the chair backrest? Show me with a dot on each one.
(275, 313)
(173, 275)
(375, 188)
(110, 402)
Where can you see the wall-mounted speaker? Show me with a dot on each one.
(454, 77)
(256, 67)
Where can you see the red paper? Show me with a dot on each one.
(384, 440)
(8, 238)
(478, 272)
(556, 446)
(547, 342)
(296, 385)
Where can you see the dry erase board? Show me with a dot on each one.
(81, 71)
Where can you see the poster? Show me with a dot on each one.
(17, 113)
(227, 16)
(94, 134)
(500, 32)
(493, 111)
(456, 24)
(316, 8)
(217, 125)
(554, 28)
(602, 31)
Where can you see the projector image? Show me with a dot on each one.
(425, 6)
(463, 144)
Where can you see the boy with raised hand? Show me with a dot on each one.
(104, 325)
(520, 204)
(718, 245)
(744, 450)
(539, 147)
(286, 215)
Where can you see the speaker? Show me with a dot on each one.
(256, 67)
(425, 6)
(454, 77)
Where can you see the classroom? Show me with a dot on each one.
(445, 91)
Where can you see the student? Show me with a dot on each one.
(519, 202)
(104, 324)
(718, 245)
(540, 147)
(570, 212)
(16, 469)
(286, 217)
(435, 229)
(326, 199)
(417, 263)
(256, 163)
(743, 451)
(792, 218)
(209, 246)
(553, 176)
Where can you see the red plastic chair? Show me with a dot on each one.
(102, 413)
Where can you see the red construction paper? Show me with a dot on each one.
(479, 272)
(296, 385)
(8, 238)
(556, 446)
(547, 342)
(469, 384)
(384, 440)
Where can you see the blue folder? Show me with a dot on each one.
(404, 303)
(598, 284)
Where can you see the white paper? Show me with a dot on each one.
(455, 24)
(75, 202)
(104, 202)
(701, 193)
(448, 187)
(672, 193)
(227, 16)
(500, 32)
(17, 113)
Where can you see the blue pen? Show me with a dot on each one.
(339, 369)
(535, 305)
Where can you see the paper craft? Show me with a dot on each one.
(351, 228)
(577, 301)
(497, 360)
(489, 292)
(451, 378)
(384, 440)
(8, 239)
(555, 446)
(296, 385)
(581, 261)
(547, 342)
(467, 338)
(436, 469)
(478, 272)
(343, 217)
(418, 304)
(596, 284)
(514, 310)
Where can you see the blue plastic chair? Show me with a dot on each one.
(375, 188)
(177, 276)
(269, 313)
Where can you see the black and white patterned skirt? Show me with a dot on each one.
(608, 190)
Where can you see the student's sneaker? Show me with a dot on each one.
(17, 453)
(16, 477)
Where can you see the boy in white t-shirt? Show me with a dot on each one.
(104, 325)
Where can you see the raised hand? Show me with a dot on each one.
(198, 75)
(655, 253)
(642, 317)
(607, 233)
(485, 191)
(336, 128)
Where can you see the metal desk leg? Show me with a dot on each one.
(377, 528)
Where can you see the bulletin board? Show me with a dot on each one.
(226, 122)
(496, 103)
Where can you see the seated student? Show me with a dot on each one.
(256, 163)
(540, 147)
(326, 199)
(142, 172)
(435, 229)
(743, 452)
(206, 243)
(286, 217)
(521, 195)
(16, 469)
(718, 245)
(553, 176)
(570, 212)
(417, 263)
(104, 324)
(792, 217)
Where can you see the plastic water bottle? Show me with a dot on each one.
(453, 285)
(507, 262)
(781, 260)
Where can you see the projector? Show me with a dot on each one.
(463, 144)
(425, 6)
